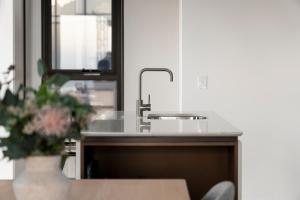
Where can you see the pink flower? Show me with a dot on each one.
(52, 121)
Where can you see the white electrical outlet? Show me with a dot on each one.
(202, 82)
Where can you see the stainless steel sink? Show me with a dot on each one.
(176, 116)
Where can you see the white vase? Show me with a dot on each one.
(42, 179)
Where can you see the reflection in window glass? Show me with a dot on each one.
(102, 95)
(81, 34)
(99, 7)
(63, 7)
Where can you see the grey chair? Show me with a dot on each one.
(222, 191)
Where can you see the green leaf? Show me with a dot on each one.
(41, 67)
(75, 131)
(3, 119)
(30, 90)
(14, 151)
(43, 91)
(11, 68)
(20, 88)
(58, 80)
(10, 98)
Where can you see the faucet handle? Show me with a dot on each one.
(149, 102)
(149, 99)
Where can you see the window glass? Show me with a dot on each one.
(102, 95)
(81, 35)
(99, 7)
(64, 7)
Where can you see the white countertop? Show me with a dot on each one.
(118, 124)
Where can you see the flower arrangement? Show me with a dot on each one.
(40, 120)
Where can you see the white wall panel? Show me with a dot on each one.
(6, 59)
(151, 40)
(250, 52)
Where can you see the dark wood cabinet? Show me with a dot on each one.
(201, 161)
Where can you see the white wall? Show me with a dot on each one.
(151, 38)
(250, 52)
(6, 59)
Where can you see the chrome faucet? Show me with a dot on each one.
(140, 106)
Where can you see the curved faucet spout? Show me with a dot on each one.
(152, 70)
(141, 107)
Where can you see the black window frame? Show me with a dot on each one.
(117, 72)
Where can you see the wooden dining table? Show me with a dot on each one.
(116, 190)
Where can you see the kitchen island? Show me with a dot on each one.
(119, 145)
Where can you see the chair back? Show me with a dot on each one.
(222, 191)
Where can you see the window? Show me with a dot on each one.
(84, 40)
(102, 95)
(82, 34)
